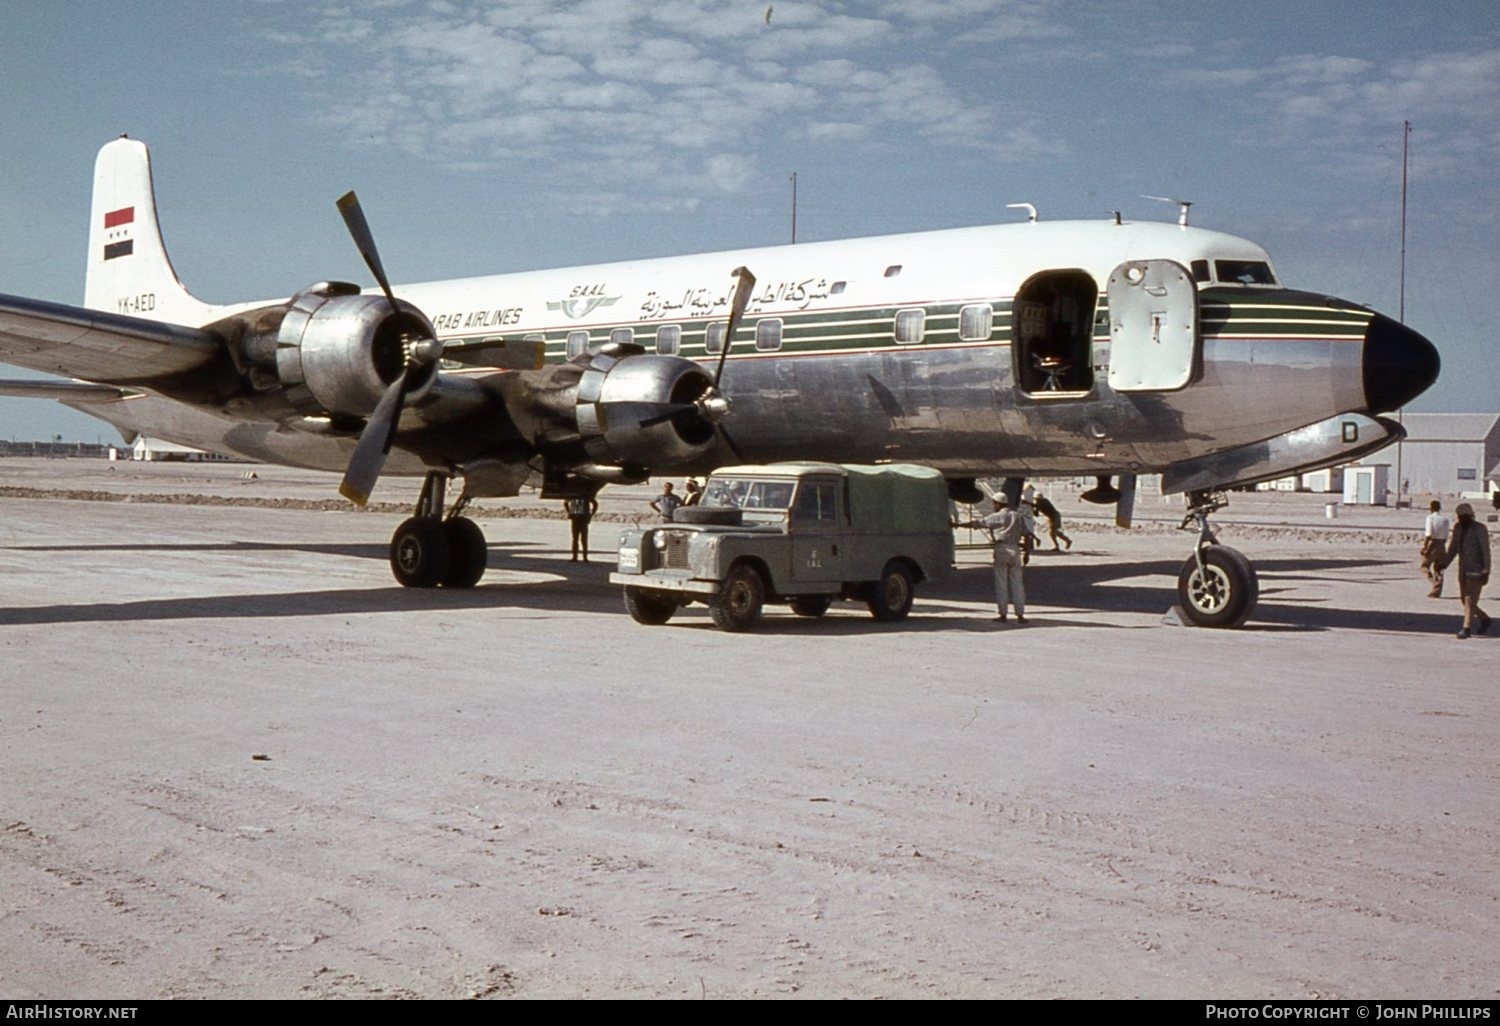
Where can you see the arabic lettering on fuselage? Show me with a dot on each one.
(705, 302)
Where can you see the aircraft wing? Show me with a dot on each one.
(98, 346)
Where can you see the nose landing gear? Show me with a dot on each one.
(1217, 586)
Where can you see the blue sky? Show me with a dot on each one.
(488, 137)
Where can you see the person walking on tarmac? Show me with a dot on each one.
(581, 510)
(1006, 528)
(1054, 520)
(1470, 545)
(1434, 539)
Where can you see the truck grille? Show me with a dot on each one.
(675, 555)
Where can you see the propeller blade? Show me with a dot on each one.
(1125, 505)
(673, 410)
(724, 436)
(364, 241)
(374, 443)
(736, 311)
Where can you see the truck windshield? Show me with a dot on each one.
(748, 493)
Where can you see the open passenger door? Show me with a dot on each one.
(1153, 326)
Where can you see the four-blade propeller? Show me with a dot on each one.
(419, 350)
(712, 406)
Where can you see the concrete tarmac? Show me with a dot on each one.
(239, 761)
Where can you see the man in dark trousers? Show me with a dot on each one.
(581, 510)
(1054, 520)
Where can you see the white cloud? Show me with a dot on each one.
(589, 81)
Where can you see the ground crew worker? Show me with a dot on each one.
(1006, 528)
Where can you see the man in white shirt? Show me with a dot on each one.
(1006, 528)
(1434, 541)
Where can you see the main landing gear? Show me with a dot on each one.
(430, 549)
(1217, 586)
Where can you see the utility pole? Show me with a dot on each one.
(1401, 314)
(794, 208)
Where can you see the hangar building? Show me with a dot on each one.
(1446, 453)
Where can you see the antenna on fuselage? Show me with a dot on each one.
(1182, 207)
(1030, 210)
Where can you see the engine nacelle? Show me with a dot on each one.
(334, 351)
(637, 410)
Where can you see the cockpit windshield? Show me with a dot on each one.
(1244, 272)
(748, 493)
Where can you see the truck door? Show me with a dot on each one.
(1153, 326)
(817, 527)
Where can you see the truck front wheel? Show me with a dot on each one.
(649, 609)
(890, 597)
(737, 605)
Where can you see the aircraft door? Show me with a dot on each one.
(1153, 326)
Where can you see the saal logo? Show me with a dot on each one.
(582, 300)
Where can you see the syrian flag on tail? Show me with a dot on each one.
(117, 223)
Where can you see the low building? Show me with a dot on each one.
(1445, 453)
(154, 449)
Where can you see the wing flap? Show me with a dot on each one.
(98, 346)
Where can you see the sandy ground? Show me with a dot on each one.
(239, 762)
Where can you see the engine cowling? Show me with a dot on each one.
(639, 410)
(333, 351)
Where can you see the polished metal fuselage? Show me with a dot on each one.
(840, 387)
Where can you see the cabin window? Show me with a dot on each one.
(911, 325)
(578, 344)
(768, 334)
(622, 336)
(893, 270)
(976, 323)
(535, 336)
(1052, 325)
(1200, 271)
(669, 339)
(837, 288)
(713, 338)
(1244, 272)
(1468, 474)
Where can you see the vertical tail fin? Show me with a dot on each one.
(128, 268)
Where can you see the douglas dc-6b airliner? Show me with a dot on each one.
(1031, 349)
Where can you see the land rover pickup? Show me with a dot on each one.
(804, 534)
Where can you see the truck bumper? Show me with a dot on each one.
(665, 581)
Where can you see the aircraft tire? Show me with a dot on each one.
(1226, 595)
(890, 597)
(811, 605)
(419, 552)
(468, 553)
(737, 605)
(647, 608)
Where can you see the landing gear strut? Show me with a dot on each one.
(1217, 586)
(429, 549)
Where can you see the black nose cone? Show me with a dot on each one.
(1399, 365)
